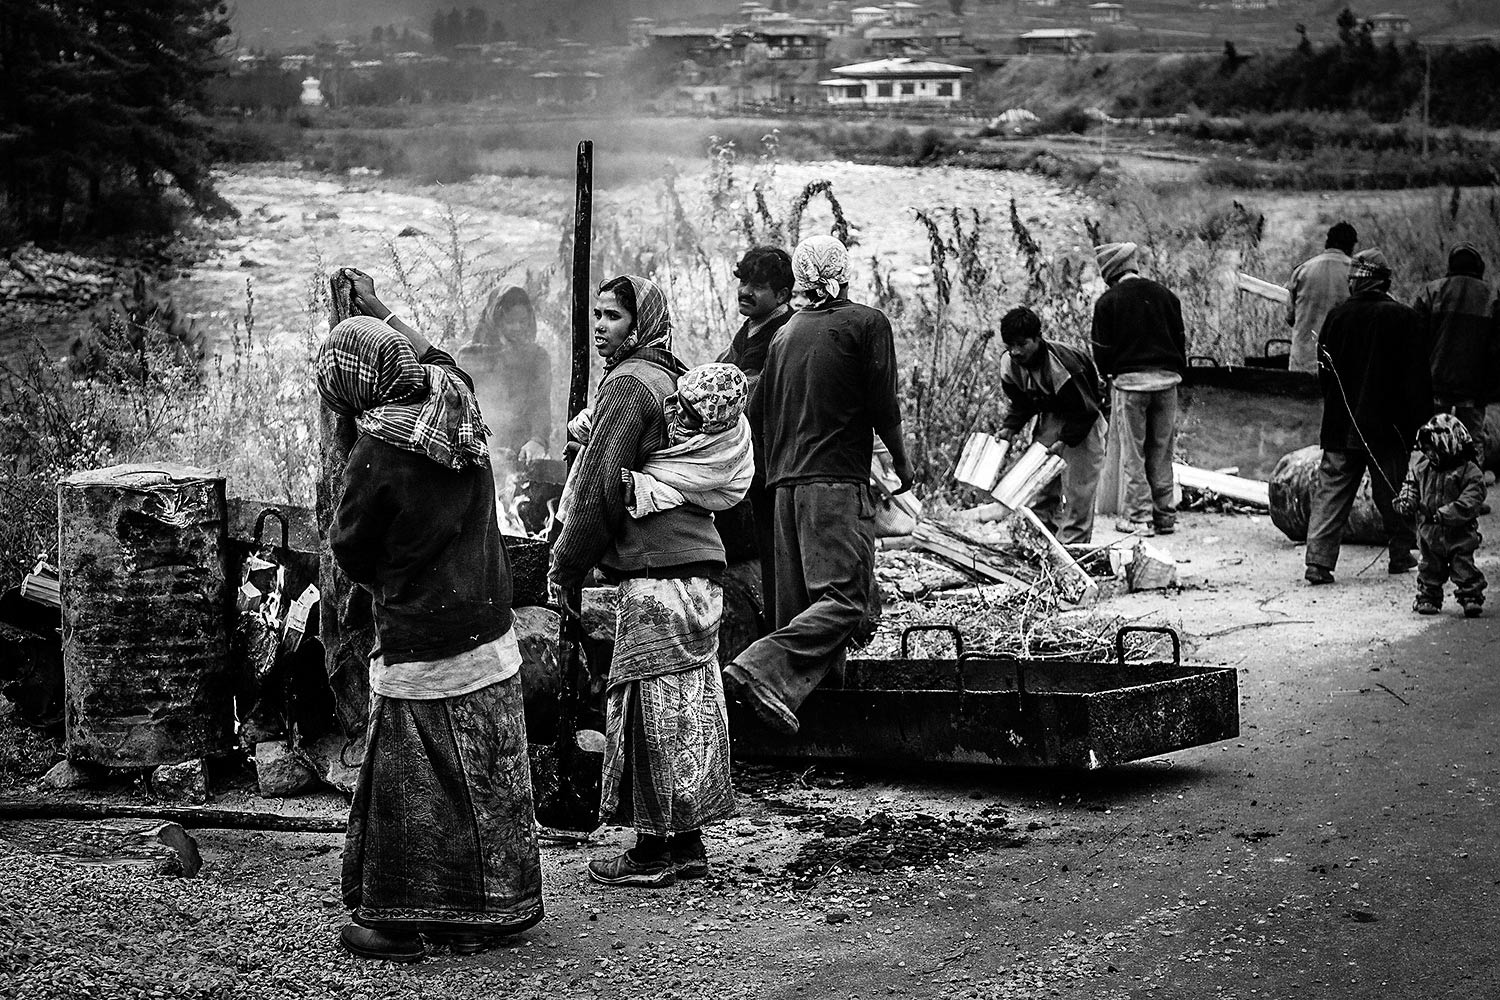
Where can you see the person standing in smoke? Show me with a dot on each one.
(513, 376)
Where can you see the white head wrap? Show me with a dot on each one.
(822, 263)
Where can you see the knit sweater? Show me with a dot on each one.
(1138, 328)
(628, 426)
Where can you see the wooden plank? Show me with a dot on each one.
(1251, 491)
(1268, 290)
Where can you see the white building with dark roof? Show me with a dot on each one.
(896, 81)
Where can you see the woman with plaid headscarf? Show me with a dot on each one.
(441, 842)
(666, 760)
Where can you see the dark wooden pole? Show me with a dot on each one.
(583, 289)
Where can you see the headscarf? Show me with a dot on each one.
(503, 300)
(652, 326)
(1464, 261)
(368, 371)
(1369, 272)
(1115, 259)
(1445, 441)
(820, 266)
(715, 392)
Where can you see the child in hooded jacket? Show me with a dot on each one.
(1445, 491)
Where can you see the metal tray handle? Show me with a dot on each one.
(260, 524)
(951, 630)
(1202, 361)
(958, 672)
(1148, 630)
(1266, 348)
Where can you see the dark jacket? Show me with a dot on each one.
(1076, 397)
(1458, 323)
(1137, 328)
(1449, 496)
(423, 540)
(1374, 376)
(628, 426)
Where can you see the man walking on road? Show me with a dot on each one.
(1140, 347)
(1376, 394)
(829, 386)
(1317, 285)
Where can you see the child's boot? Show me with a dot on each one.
(1426, 606)
(1473, 609)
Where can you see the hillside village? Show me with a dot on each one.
(901, 55)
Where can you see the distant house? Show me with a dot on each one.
(866, 16)
(1049, 40)
(686, 42)
(639, 31)
(568, 86)
(896, 41)
(1253, 4)
(832, 26)
(791, 41)
(1388, 25)
(896, 81)
(904, 12)
(1106, 13)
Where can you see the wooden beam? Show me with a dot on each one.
(1267, 290)
(966, 553)
(1238, 488)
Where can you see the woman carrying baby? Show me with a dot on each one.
(666, 767)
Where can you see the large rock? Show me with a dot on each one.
(1291, 488)
(281, 771)
(336, 761)
(185, 782)
(65, 775)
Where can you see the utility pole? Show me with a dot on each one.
(1426, 94)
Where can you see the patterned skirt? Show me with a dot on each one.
(441, 835)
(666, 759)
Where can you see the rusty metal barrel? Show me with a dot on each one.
(1291, 488)
(146, 601)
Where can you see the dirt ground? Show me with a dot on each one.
(1343, 846)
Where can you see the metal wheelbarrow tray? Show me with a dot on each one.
(985, 709)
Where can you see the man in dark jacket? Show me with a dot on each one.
(1458, 323)
(765, 277)
(1140, 347)
(1058, 385)
(1376, 393)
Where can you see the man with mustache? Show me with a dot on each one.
(765, 277)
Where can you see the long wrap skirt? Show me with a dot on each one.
(441, 833)
(666, 758)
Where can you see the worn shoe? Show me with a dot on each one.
(1403, 563)
(769, 709)
(1425, 607)
(367, 942)
(1318, 575)
(689, 859)
(1135, 527)
(625, 870)
(1473, 610)
(462, 942)
(1164, 528)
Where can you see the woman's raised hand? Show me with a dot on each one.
(362, 298)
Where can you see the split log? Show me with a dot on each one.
(978, 558)
(146, 609)
(1073, 583)
(346, 619)
(1268, 290)
(1290, 495)
(1251, 491)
